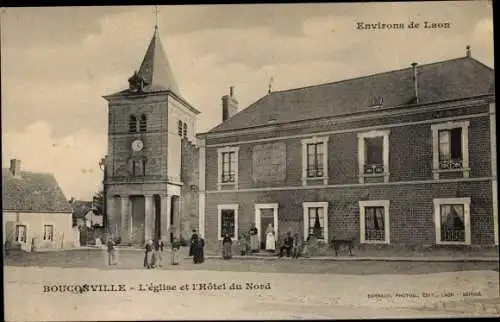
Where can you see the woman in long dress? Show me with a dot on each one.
(148, 255)
(227, 245)
(254, 239)
(175, 251)
(198, 251)
(270, 239)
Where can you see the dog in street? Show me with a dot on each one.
(337, 244)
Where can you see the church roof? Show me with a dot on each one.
(156, 70)
(32, 192)
(446, 80)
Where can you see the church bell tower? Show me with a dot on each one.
(147, 123)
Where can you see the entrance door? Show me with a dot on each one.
(266, 214)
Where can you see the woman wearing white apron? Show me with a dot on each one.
(270, 239)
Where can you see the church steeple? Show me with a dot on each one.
(155, 70)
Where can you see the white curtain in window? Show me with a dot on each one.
(452, 217)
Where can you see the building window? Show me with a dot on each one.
(143, 123)
(132, 124)
(374, 221)
(228, 165)
(21, 233)
(179, 128)
(227, 220)
(315, 159)
(373, 154)
(48, 232)
(316, 219)
(450, 147)
(144, 167)
(452, 220)
(133, 167)
(185, 130)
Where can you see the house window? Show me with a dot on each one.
(185, 130)
(133, 168)
(450, 147)
(143, 123)
(21, 233)
(452, 220)
(144, 167)
(228, 165)
(374, 221)
(227, 220)
(179, 128)
(316, 219)
(48, 232)
(132, 124)
(373, 154)
(315, 159)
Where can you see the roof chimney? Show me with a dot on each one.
(416, 99)
(15, 167)
(229, 105)
(467, 51)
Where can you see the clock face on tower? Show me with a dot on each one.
(137, 145)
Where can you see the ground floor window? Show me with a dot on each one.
(227, 221)
(452, 220)
(21, 233)
(316, 219)
(374, 221)
(48, 232)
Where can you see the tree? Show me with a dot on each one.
(98, 203)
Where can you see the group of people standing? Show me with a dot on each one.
(153, 256)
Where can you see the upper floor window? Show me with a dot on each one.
(48, 232)
(374, 221)
(315, 159)
(228, 166)
(452, 220)
(373, 154)
(133, 165)
(138, 167)
(185, 130)
(143, 124)
(450, 147)
(179, 128)
(132, 123)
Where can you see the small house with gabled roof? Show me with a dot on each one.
(35, 212)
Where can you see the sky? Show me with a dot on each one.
(57, 63)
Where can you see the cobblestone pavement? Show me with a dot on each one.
(280, 295)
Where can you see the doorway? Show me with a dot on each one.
(266, 214)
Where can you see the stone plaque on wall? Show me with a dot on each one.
(269, 162)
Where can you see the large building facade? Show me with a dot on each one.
(150, 180)
(402, 157)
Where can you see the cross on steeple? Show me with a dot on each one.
(156, 10)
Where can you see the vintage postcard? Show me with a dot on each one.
(268, 161)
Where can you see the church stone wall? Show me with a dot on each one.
(189, 174)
